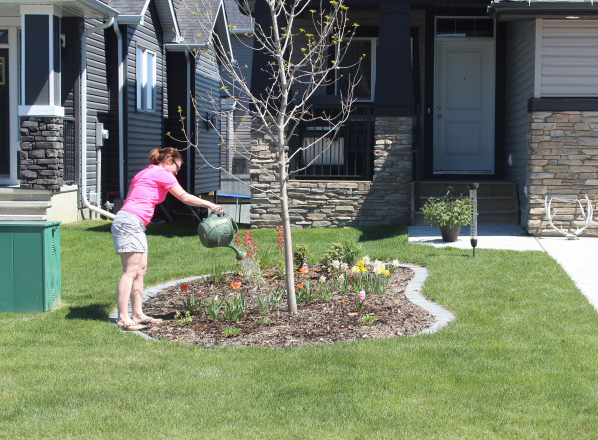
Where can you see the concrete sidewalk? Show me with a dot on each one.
(579, 258)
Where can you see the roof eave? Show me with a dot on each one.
(513, 11)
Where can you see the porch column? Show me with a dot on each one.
(41, 114)
(394, 81)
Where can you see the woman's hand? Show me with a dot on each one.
(217, 209)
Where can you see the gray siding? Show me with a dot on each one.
(144, 128)
(207, 95)
(241, 138)
(569, 58)
(97, 96)
(520, 87)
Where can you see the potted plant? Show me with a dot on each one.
(447, 213)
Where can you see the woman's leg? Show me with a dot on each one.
(136, 294)
(131, 263)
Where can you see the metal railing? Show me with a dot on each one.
(69, 145)
(349, 156)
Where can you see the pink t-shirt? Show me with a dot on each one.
(148, 188)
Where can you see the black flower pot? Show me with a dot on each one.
(450, 233)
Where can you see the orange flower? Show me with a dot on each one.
(184, 287)
(301, 285)
(235, 285)
(303, 269)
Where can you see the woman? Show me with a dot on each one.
(148, 188)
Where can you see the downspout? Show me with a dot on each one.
(84, 198)
(188, 58)
(121, 122)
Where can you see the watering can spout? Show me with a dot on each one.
(220, 231)
(240, 254)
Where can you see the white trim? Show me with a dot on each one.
(51, 91)
(141, 86)
(41, 110)
(13, 81)
(41, 10)
(374, 49)
(452, 38)
(177, 31)
(538, 60)
(6, 22)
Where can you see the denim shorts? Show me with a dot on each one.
(128, 233)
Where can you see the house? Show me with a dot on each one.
(502, 93)
(83, 108)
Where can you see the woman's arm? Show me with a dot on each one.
(191, 200)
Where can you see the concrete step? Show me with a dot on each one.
(24, 207)
(488, 203)
(485, 218)
(491, 188)
(20, 194)
(23, 218)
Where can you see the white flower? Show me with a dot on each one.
(341, 278)
(395, 263)
(366, 260)
(336, 264)
(344, 266)
(322, 279)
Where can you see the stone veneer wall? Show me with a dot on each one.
(384, 200)
(563, 161)
(41, 164)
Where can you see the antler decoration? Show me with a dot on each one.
(586, 214)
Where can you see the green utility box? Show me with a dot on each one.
(30, 279)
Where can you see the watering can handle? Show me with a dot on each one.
(234, 223)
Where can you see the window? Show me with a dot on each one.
(146, 79)
(464, 27)
(363, 49)
(324, 154)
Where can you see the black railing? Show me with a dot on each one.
(68, 136)
(347, 156)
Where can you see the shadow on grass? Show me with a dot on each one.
(177, 228)
(380, 232)
(91, 312)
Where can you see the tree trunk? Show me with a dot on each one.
(288, 241)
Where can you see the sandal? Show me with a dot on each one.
(149, 320)
(130, 326)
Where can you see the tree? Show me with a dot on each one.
(302, 49)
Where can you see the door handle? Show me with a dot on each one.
(439, 116)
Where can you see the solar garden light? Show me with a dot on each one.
(473, 212)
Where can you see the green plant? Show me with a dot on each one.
(323, 290)
(182, 320)
(447, 211)
(213, 308)
(303, 291)
(231, 331)
(343, 252)
(263, 320)
(300, 255)
(366, 319)
(263, 303)
(234, 307)
(277, 295)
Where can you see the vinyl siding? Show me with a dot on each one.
(144, 128)
(207, 90)
(241, 139)
(97, 96)
(520, 87)
(569, 58)
(177, 97)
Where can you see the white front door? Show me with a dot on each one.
(464, 98)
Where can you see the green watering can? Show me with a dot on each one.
(217, 231)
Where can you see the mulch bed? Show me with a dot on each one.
(315, 323)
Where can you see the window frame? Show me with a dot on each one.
(374, 49)
(145, 102)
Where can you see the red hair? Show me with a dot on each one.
(158, 155)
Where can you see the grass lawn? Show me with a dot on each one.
(519, 361)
